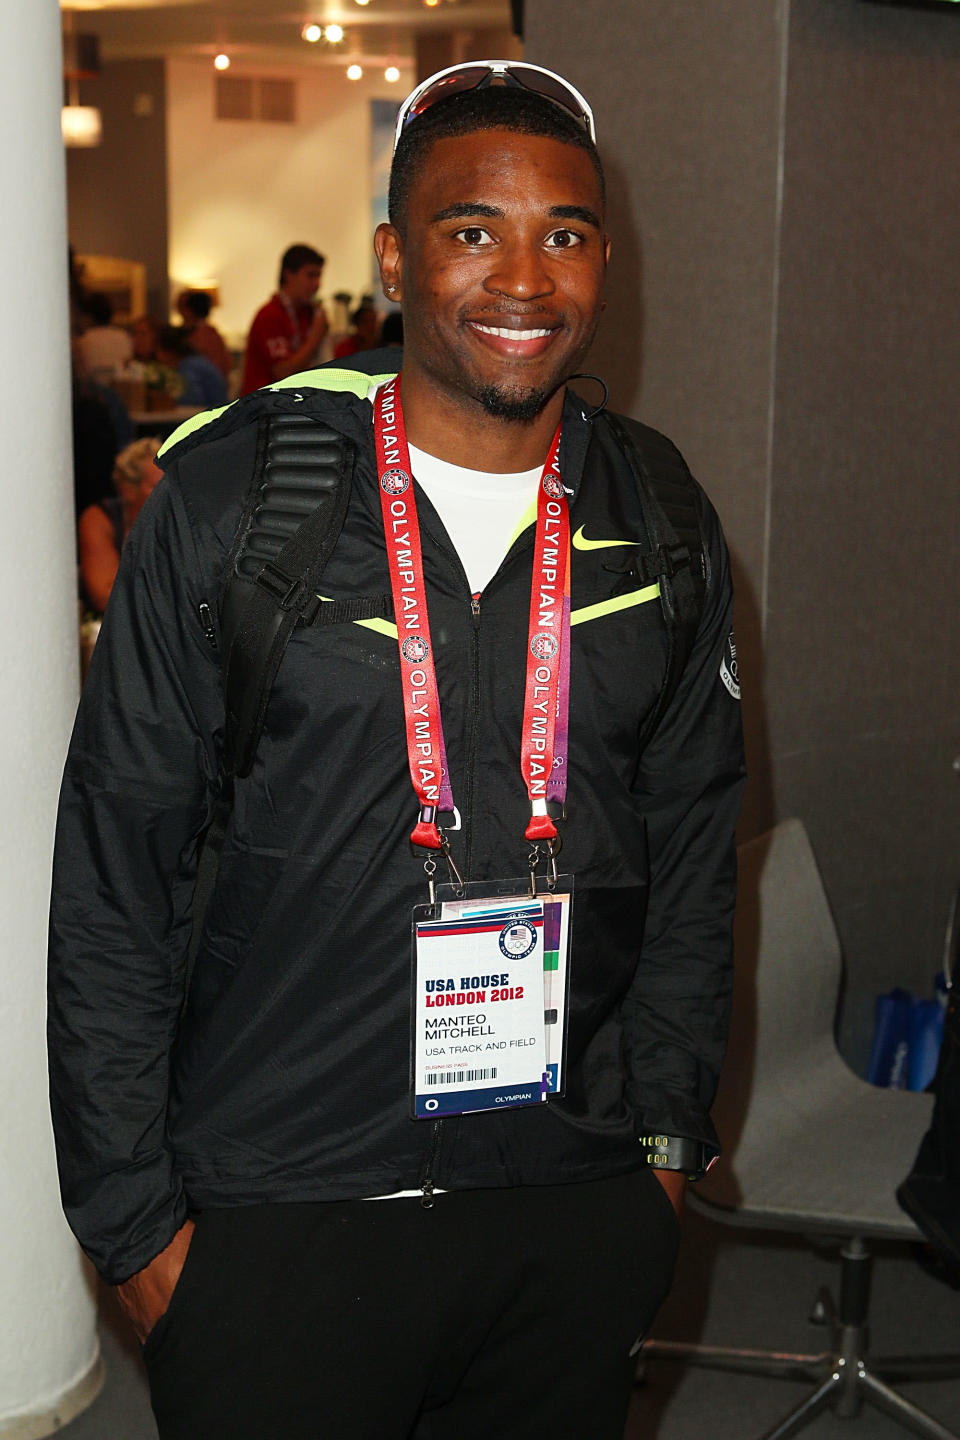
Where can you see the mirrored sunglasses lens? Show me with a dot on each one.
(550, 89)
(466, 78)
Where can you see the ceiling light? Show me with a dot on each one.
(221, 62)
(354, 72)
(334, 33)
(312, 33)
(430, 4)
(362, 2)
(80, 126)
(391, 74)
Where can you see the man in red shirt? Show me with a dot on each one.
(287, 331)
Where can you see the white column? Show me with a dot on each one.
(49, 1355)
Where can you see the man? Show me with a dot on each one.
(287, 331)
(303, 1254)
(104, 348)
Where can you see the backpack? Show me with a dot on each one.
(291, 521)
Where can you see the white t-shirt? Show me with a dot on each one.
(479, 510)
(104, 350)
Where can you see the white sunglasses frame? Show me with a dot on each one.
(500, 68)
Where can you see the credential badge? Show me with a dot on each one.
(543, 647)
(394, 482)
(415, 649)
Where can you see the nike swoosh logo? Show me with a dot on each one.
(580, 542)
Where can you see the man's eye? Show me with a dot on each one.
(563, 239)
(474, 235)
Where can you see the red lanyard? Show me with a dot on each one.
(544, 738)
(545, 706)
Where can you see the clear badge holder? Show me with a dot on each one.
(490, 983)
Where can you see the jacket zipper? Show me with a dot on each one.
(206, 620)
(427, 1185)
(474, 729)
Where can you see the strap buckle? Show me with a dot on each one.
(290, 594)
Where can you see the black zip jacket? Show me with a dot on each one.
(284, 1074)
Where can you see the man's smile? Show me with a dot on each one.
(514, 338)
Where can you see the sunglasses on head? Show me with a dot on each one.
(457, 79)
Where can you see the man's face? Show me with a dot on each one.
(301, 285)
(501, 268)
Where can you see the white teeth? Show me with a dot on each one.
(512, 334)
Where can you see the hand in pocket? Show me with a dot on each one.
(146, 1296)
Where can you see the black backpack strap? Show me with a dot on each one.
(291, 522)
(677, 557)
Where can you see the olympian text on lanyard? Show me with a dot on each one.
(544, 742)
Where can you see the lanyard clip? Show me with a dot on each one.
(428, 835)
(551, 849)
(456, 878)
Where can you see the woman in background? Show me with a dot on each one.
(205, 339)
(104, 527)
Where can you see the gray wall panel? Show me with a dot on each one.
(862, 639)
(802, 346)
(117, 193)
(688, 100)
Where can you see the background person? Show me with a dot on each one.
(104, 347)
(143, 333)
(205, 339)
(203, 383)
(286, 333)
(365, 334)
(103, 527)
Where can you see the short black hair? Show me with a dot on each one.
(198, 303)
(493, 107)
(296, 256)
(174, 338)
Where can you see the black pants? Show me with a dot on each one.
(502, 1314)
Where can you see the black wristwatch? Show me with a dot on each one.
(676, 1152)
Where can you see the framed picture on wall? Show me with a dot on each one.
(124, 281)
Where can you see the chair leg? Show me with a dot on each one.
(808, 1410)
(902, 1410)
(747, 1362)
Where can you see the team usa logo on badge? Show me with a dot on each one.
(552, 486)
(415, 649)
(516, 941)
(543, 647)
(394, 482)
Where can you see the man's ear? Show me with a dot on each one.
(388, 246)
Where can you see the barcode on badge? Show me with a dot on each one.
(461, 1077)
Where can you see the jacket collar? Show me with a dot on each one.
(341, 394)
